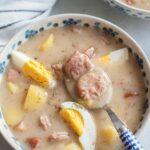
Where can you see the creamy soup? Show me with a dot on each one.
(143, 4)
(44, 128)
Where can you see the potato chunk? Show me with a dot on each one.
(36, 97)
(13, 115)
(105, 59)
(72, 146)
(13, 88)
(48, 43)
(108, 134)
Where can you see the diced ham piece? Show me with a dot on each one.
(58, 136)
(130, 94)
(90, 52)
(44, 122)
(34, 142)
(58, 71)
(130, 2)
(76, 30)
(12, 74)
(90, 85)
(77, 65)
(55, 103)
(21, 127)
(104, 40)
(76, 45)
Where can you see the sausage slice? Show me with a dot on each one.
(90, 85)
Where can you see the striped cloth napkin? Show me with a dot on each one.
(14, 14)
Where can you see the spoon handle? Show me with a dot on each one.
(129, 140)
(126, 136)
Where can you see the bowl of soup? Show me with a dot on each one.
(37, 112)
(135, 8)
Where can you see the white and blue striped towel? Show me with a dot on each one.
(14, 14)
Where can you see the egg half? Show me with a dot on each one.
(81, 121)
(115, 56)
(33, 69)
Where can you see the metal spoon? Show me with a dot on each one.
(128, 139)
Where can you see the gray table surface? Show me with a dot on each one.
(137, 28)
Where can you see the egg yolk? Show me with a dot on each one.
(37, 72)
(74, 119)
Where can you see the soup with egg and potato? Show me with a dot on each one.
(37, 106)
(142, 4)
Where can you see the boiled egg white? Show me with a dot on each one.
(81, 122)
(115, 56)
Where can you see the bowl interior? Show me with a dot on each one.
(128, 9)
(68, 20)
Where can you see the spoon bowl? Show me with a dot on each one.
(97, 102)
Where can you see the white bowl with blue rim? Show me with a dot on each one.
(78, 20)
(128, 9)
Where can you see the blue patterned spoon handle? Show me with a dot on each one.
(129, 140)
